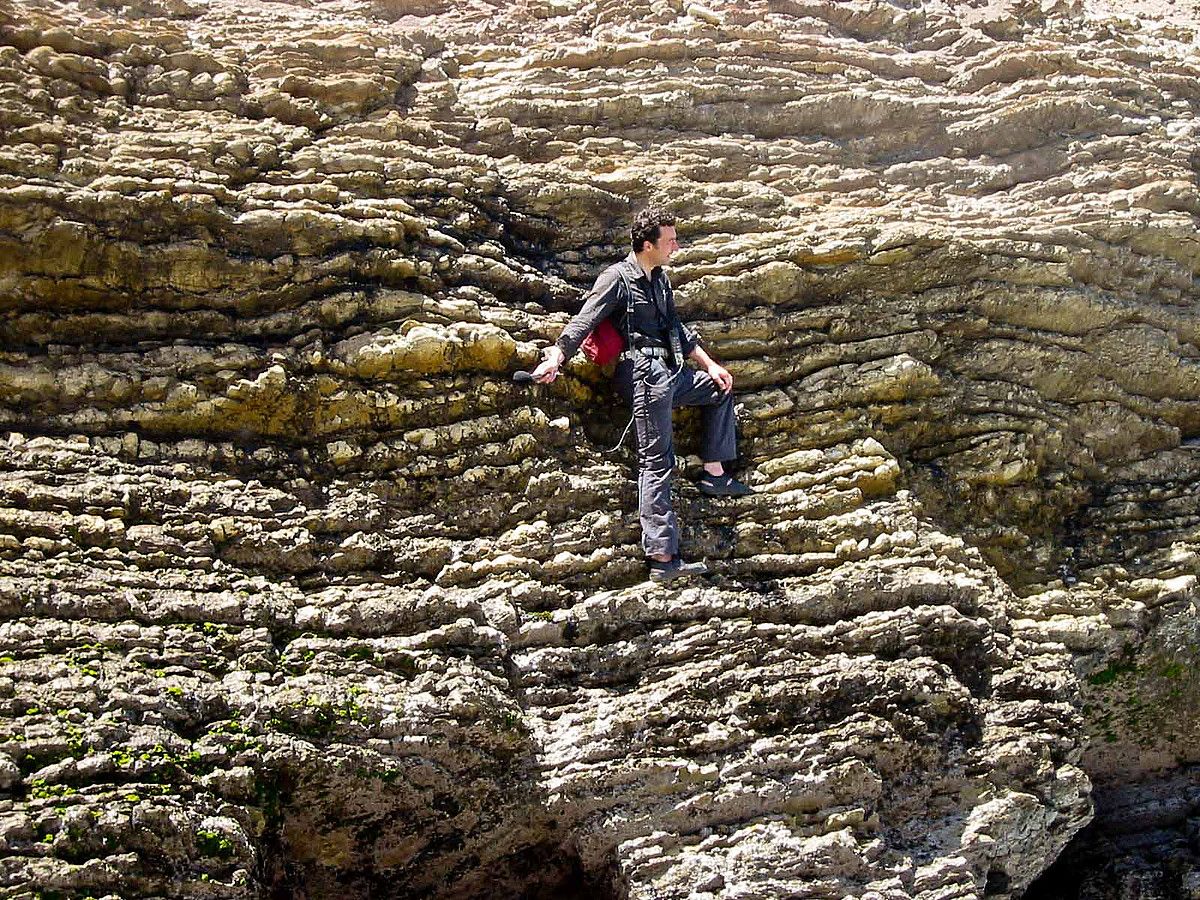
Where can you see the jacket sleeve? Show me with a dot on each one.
(690, 339)
(687, 335)
(601, 302)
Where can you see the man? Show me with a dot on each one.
(652, 377)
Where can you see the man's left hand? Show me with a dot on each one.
(721, 376)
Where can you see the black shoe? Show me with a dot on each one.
(675, 568)
(722, 486)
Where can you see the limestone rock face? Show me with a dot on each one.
(293, 690)
(302, 598)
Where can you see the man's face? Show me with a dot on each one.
(660, 251)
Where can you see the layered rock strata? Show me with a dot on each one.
(220, 687)
(302, 596)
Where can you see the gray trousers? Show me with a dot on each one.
(647, 386)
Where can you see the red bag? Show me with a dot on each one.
(604, 344)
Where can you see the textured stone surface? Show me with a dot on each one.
(252, 664)
(301, 598)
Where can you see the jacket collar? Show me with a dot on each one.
(636, 268)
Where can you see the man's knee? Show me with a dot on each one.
(657, 465)
(654, 435)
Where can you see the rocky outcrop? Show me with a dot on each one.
(302, 598)
(223, 685)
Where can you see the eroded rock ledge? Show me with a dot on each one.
(301, 598)
(236, 678)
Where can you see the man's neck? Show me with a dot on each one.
(644, 262)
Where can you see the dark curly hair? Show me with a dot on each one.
(646, 225)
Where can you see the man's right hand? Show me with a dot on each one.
(547, 369)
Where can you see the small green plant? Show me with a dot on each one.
(510, 721)
(213, 843)
(1111, 673)
(1173, 670)
(75, 738)
(39, 789)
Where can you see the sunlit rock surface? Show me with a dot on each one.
(302, 598)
